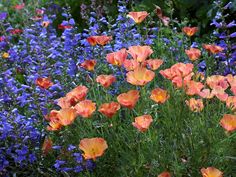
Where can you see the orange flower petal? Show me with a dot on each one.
(211, 172)
(44, 83)
(190, 31)
(164, 174)
(193, 54)
(109, 109)
(142, 123)
(159, 95)
(117, 58)
(228, 122)
(140, 53)
(138, 17)
(128, 99)
(85, 108)
(195, 105)
(106, 80)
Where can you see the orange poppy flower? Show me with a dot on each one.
(215, 81)
(140, 53)
(45, 24)
(219, 92)
(164, 174)
(109, 109)
(195, 105)
(138, 17)
(54, 125)
(167, 73)
(77, 94)
(179, 81)
(131, 65)
(64, 102)
(117, 58)
(93, 147)
(47, 146)
(214, 49)
(193, 54)
(193, 87)
(182, 69)
(231, 102)
(106, 80)
(44, 83)
(159, 95)
(5, 55)
(228, 122)
(101, 40)
(66, 116)
(52, 115)
(128, 99)
(165, 20)
(206, 93)
(140, 76)
(189, 31)
(89, 64)
(142, 123)
(85, 108)
(154, 64)
(211, 172)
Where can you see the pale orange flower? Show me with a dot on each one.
(106, 80)
(44, 83)
(217, 81)
(77, 94)
(195, 105)
(45, 24)
(85, 108)
(142, 123)
(159, 95)
(101, 40)
(140, 76)
(193, 87)
(154, 64)
(138, 17)
(140, 53)
(232, 81)
(89, 64)
(214, 49)
(189, 31)
(109, 109)
(228, 122)
(165, 20)
(66, 116)
(54, 125)
(193, 54)
(164, 174)
(128, 99)
(182, 69)
(211, 172)
(5, 55)
(117, 58)
(231, 102)
(131, 65)
(65, 102)
(206, 93)
(47, 146)
(219, 92)
(93, 147)
(52, 115)
(167, 73)
(179, 81)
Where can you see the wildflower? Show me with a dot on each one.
(214, 49)
(131, 65)
(16, 31)
(142, 123)
(159, 95)
(206, 93)
(63, 27)
(211, 172)
(44, 83)
(66, 116)
(109, 109)
(181, 69)
(54, 125)
(165, 20)
(128, 99)
(47, 145)
(106, 80)
(228, 122)
(89, 64)
(5, 55)
(85, 108)
(101, 40)
(154, 64)
(193, 53)
(193, 87)
(195, 105)
(189, 31)
(140, 76)
(164, 174)
(140, 53)
(117, 58)
(219, 92)
(93, 147)
(217, 81)
(45, 24)
(231, 102)
(138, 17)
(19, 6)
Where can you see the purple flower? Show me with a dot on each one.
(3, 15)
(233, 35)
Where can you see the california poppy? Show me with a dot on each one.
(106, 80)
(47, 145)
(109, 109)
(101, 40)
(44, 83)
(138, 17)
(228, 122)
(164, 174)
(85, 108)
(195, 105)
(142, 123)
(5, 55)
(193, 87)
(66, 116)
(140, 53)
(214, 49)
(131, 64)
(189, 31)
(231, 102)
(211, 172)
(159, 95)
(93, 147)
(89, 65)
(128, 99)
(193, 54)
(117, 58)
(154, 64)
(140, 76)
